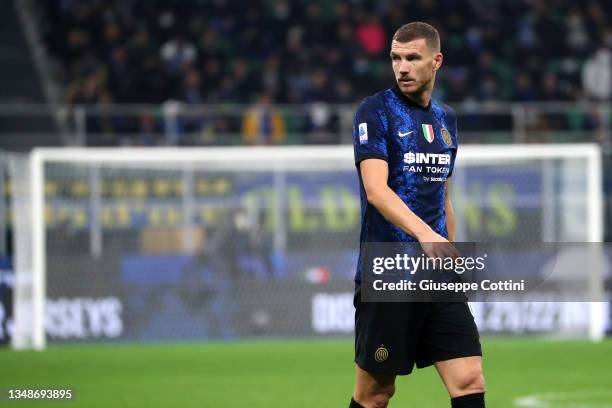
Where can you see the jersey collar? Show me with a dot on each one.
(408, 101)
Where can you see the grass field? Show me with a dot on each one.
(299, 374)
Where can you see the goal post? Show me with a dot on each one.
(277, 202)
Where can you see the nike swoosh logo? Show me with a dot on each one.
(400, 134)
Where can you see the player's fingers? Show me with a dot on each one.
(437, 251)
(445, 250)
(453, 252)
(429, 248)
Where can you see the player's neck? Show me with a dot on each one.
(422, 99)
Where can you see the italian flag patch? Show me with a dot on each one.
(428, 132)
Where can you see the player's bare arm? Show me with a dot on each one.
(374, 173)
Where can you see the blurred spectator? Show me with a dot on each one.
(551, 91)
(524, 90)
(86, 91)
(322, 125)
(372, 36)
(176, 52)
(262, 123)
(149, 131)
(191, 88)
(597, 75)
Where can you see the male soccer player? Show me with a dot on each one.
(398, 134)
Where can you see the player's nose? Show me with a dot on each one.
(404, 67)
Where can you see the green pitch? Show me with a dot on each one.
(299, 374)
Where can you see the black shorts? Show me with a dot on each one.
(391, 337)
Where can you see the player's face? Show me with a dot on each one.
(414, 65)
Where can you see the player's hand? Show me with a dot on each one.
(436, 246)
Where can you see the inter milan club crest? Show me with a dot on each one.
(428, 132)
(447, 137)
(381, 354)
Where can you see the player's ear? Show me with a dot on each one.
(438, 61)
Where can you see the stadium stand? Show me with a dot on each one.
(19, 83)
(289, 72)
(298, 51)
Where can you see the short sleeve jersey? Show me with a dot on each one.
(419, 145)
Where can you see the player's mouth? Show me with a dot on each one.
(406, 81)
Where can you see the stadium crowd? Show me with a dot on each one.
(222, 51)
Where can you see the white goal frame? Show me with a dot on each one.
(283, 158)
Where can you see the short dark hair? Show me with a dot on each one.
(414, 31)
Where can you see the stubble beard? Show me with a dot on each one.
(419, 91)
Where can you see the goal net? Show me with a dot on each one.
(186, 244)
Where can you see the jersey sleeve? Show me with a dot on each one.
(369, 132)
(455, 139)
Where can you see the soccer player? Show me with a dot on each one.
(398, 134)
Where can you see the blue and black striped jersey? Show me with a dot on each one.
(419, 145)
